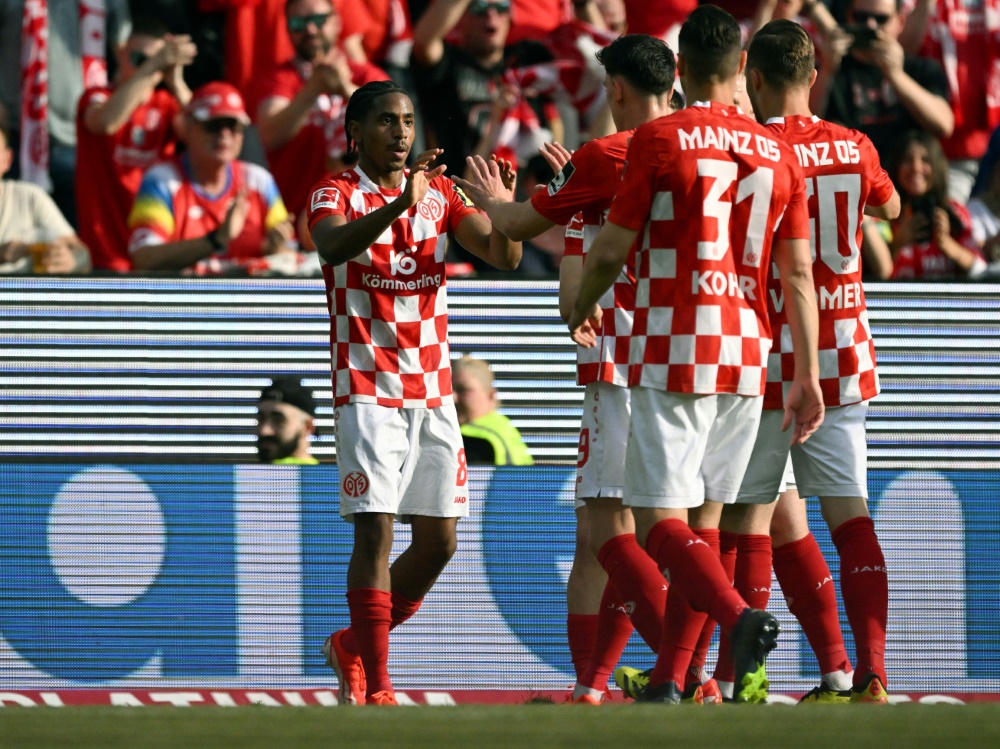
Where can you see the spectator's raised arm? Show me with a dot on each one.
(434, 25)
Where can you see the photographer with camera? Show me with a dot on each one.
(868, 83)
(932, 238)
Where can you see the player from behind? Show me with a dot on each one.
(639, 80)
(706, 192)
(844, 181)
(381, 231)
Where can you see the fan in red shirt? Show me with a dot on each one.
(122, 131)
(206, 211)
(638, 83)
(382, 232)
(706, 192)
(302, 103)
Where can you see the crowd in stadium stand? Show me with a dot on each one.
(185, 136)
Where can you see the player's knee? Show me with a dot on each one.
(438, 551)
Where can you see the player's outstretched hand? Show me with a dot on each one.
(584, 331)
(803, 406)
(484, 182)
(421, 175)
(556, 154)
(508, 172)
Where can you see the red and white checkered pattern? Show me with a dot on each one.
(589, 182)
(709, 190)
(843, 174)
(389, 306)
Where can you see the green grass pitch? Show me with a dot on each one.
(530, 726)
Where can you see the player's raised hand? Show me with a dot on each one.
(485, 184)
(803, 406)
(584, 331)
(421, 175)
(508, 172)
(556, 154)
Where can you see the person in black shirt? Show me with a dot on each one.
(868, 83)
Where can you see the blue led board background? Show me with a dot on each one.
(140, 545)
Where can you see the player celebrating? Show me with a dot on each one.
(844, 180)
(705, 191)
(381, 232)
(639, 81)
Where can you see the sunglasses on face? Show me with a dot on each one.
(137, 58)
(298, 24)
(863, 17)
(482, 7)
(219, 124)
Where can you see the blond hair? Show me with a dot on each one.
(478, 369)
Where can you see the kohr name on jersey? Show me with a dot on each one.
(717, 283)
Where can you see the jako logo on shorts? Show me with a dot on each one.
(355, 484)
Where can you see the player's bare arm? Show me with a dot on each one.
(482, 239)
(485, 187)
(605, 260)
(888, 210)
(570, 275)
(338, 240)
(804, 404)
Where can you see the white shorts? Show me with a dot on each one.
(769, 462)
(678, 441)
(834, 461)
(402, 461)
(831, 463)
(600, 467)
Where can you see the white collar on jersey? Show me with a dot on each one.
(708, 105)
(368, 184)
(780, 120)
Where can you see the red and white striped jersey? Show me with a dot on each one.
(389, 305)
(581, 194)
(709, 190)
(843, 174)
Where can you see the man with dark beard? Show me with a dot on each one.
(285, 423)
(300, 107)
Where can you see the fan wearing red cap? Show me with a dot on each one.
(206, 210)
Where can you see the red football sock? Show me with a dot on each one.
(612, 633)
(371, 615)
(865, 587)
(402, 609)
(638, 581)
(752, 580)
(753, 570)
(581, 630)
(712, 537)
(681, 631)
(696, 571)
(807, 583)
